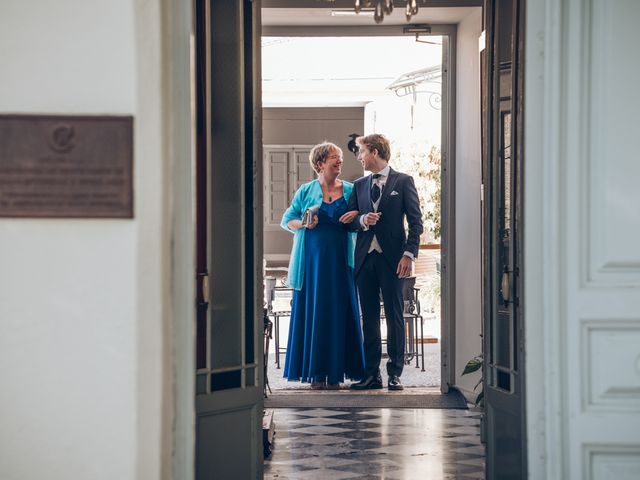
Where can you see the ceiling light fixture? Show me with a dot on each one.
(385, 7)
(348, 13)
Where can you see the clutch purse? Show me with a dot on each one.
(308, 215)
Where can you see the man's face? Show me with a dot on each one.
(366, 158)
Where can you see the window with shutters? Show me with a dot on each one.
(286, 167)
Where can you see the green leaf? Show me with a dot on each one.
(480, 399)
(472, 365)
(478, 384)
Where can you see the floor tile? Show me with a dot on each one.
(390, 444)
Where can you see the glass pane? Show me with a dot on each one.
(502, 338)
(227, 257)
(228, 201)
(503, 347)
(201, 336)
(506, 167)
(503, 381)
(225, 380)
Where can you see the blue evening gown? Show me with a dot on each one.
(325, 337)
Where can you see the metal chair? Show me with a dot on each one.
(412, 320)
(268, 329)
(270, 294)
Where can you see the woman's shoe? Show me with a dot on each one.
(317, 385)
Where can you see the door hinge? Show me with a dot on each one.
(203, 285)
(205, 288)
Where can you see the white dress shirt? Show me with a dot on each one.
(381, 182)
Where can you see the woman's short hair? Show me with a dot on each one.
(378, 142)
(320, 152)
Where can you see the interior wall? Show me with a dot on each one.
(468, 276)
(309, 126)
(82, 301)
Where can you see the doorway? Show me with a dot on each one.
(409, 99)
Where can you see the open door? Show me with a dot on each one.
(229, 259)
(502, 172)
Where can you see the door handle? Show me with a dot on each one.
(505, 287)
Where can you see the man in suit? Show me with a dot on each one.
(384, 254)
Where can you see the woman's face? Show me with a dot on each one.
(333, 163)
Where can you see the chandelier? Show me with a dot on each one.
(385, 7)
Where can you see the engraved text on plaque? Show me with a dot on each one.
(66, 166)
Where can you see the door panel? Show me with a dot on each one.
(229, 192)
(593, 225)
(303, 173)
(225, 427)
(503, 327)
(287, 168)
(276, 186)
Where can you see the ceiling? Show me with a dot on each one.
(291, 13)
(323, 16)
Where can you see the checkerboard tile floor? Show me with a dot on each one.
(394, 444)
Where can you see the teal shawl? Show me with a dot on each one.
(309, 195)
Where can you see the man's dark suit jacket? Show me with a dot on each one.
(399, 198)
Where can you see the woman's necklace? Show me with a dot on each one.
(330, 193)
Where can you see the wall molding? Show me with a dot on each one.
(604, 462)
(616, 398)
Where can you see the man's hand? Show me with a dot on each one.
(371, 218)
(349, 216)
(405, 265)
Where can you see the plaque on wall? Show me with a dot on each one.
(66, 166)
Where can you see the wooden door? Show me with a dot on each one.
(503, 325)
(229, 261)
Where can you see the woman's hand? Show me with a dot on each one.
(313, 224)
(296, 224)
(349, 216)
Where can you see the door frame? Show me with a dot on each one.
(178, 439)
(448, 177)
(546, 39)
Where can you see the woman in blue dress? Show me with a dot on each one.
(325, 336)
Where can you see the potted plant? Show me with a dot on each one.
(474, 365)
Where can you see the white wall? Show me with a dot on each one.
(81, 301)
(468, 279)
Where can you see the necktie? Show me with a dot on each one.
(375, 189)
